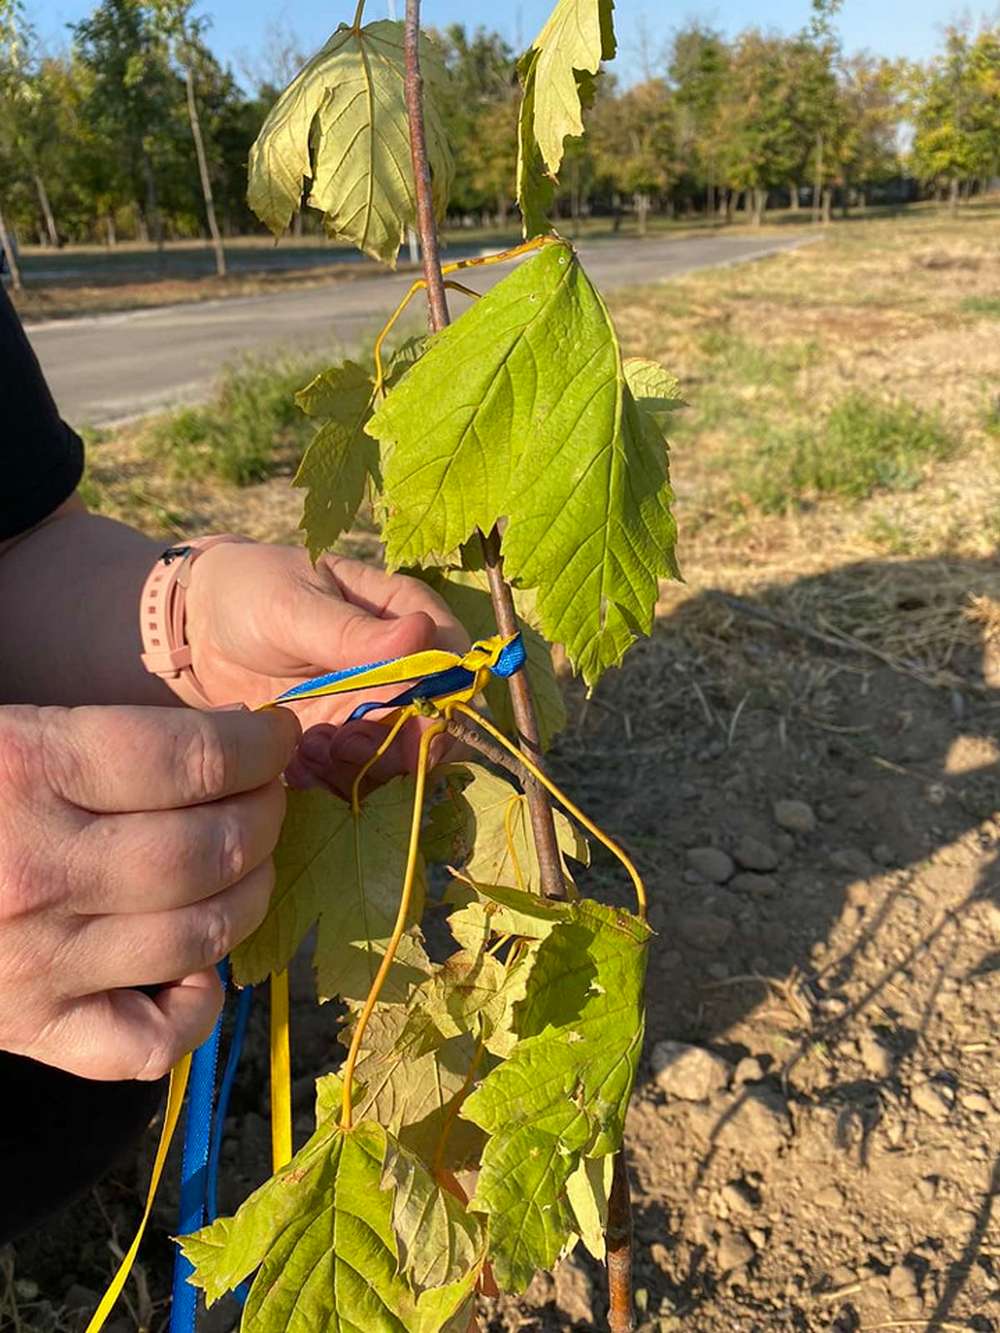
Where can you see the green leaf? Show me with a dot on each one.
(653, 388)
(340, 459)
(563, 1092)
(535, 187)
(588, 1190)
(351, 888)
(590, 524)
(320, 1232)
(483, 826)
(579, 34)
(505, 911)
(508, 414)
(439, 1242)
(341, 123)
(412, 1094)
(467, 594)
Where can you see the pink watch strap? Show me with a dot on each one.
(161, 617)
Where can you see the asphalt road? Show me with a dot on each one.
(108, 368)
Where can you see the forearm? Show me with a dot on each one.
(69, 613)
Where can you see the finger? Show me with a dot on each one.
(395, 595)
(161, 859)
(111, 760)
(336, 754)
(124, 1034)
(147, 948)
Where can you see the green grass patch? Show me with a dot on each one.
(744, 362)
(981, 305)
(249, 431)
(862, 446)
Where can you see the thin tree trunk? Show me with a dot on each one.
(827, 203)
(109, 222)
(46, 207)
(641, 202)
(793, 197)
(153, 219)
(845, 203)
(710, 200)
(7, 246)
(953, 196)
(818, 180)
(206, 180)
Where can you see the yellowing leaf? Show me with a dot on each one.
(438, 1241)
(520, 409)
(535, 187)
(578, 36)
(588, 1190)
(413, 1095)
(653, 388)
(341, 457)
(562, 1093)
(482, 825)
(341, 124)
(321, 877)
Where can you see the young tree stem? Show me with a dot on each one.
(619, 1248)
(539, 806)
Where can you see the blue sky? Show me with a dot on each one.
(909, 28)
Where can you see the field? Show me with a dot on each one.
(804, 758)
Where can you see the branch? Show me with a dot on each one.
(619, 1249)
(542, 826)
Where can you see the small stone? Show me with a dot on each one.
(738, 1197)
(902, 1282)
(883, 854)
(711, 863)
(660, 1255)
(703, 930)
(795, 816)
(717, 971)
(830, 1197)
(856, 787)
(927, 1188)
(876, 1058)
(26, 1289)
(688, 1072)
(826, 812)
(853, 860)
(758, 1238)
(977, 1102)
(734, 1251)
(752, 854)
(933, 1099)
(755, 1123)
(764, 886)
(748, 1070)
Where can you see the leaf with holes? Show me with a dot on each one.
(341, 125)
(578, 35)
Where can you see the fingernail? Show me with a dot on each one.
(315, 747)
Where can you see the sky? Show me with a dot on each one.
(910, 28)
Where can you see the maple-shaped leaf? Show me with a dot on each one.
(467, 593)
(412, 1094)
(322, 1235)
(578, 35)
(340, 458)
(521, 409)
(347, 875)
(562, 1093)
(438, 1240)
(341, 125)
(482, 825)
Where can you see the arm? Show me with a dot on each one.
(70, 589)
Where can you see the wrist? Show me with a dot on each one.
(166, 616)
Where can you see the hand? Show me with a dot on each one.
(135, 848)
(262, 618)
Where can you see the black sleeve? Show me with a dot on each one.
(41, 459)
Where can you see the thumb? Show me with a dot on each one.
(325, 634)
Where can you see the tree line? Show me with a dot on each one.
(138, 131)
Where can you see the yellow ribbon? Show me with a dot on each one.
(171, 1114)
(281, 1074)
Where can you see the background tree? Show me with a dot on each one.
(635, 143)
